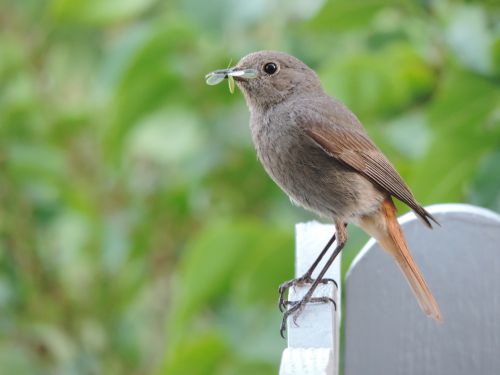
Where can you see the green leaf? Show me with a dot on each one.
(97, 11)
(153, 76)
(485, 189)
(381, 83)
(470, 39)
(16, 359)
(199, 355)
(209, 266)
(495, 51)
(270, 264)
(458, 117)
(342, 15)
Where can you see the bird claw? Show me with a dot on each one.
(297, 307)
(305, 279)
(283, 288)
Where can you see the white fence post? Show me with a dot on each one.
(313, 344)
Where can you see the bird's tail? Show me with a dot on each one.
(391, 238)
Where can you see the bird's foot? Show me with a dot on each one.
(297, 307)
(300, 281)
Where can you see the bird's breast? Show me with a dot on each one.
(308, 175)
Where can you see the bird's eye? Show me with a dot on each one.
(270, 68)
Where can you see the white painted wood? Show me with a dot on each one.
(385, 330)
(317, 325)
(317, 329)
(317, 361)
(310, 239)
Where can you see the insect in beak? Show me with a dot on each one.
(217, 76)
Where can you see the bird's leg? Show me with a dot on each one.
(305, 278)
(297, 307)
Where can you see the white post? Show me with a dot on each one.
(314, 342)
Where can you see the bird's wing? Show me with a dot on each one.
(352, 146)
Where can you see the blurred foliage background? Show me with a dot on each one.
(138, 233)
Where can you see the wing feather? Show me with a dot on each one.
(353, 147)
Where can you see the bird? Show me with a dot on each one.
(318, 152)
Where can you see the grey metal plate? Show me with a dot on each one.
(385, 330)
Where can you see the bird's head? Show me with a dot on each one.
(267, 78)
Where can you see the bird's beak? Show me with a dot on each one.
(215, 77)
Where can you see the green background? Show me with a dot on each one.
(138, 233)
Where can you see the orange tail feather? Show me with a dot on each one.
(386, 230)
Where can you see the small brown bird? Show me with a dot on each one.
(319, 153)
